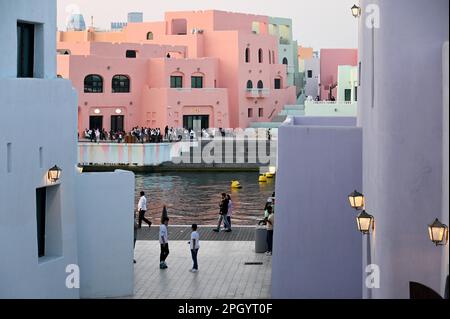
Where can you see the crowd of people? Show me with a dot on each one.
(147, 135)
(155, 135)
(225, 215)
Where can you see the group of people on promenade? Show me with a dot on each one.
(225, 214)
(98, 135)
(155, 135)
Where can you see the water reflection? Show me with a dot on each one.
(194, 197)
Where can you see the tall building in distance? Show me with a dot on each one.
(76, 23)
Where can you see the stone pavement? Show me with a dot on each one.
(222, 271)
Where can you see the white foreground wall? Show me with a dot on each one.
(317, 249)
(445, 159)
(105, 203)
(38, 122)
(402, 129)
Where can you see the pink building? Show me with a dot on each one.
(195, 69)
(330, 59)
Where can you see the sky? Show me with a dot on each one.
(316, 23)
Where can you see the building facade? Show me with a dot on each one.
(200, 69)
(43, 238)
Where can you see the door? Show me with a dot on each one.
(348, 95)
(196, 122)
(95, 122)
(117, 122)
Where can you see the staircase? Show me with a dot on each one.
(288, 110)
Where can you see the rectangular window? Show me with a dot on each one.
(197, 82)
(176, 82)
(310, 74)
(8, 157)
(356, 93)
(348, 95)
(261, 112)
(250, 113)
(131, 54)
(277, 84)
(25, 50)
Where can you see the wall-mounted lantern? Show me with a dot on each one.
(365, 222)
(356, 11)
(356, 200)
(438, 233)
(54, 174)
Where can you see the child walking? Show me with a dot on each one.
(195, 246)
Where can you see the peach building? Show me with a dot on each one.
(196, 69)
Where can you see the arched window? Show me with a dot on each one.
(285, 61)
(260, 56)
(247, 55)
(150, 35)
(273, 57)
(121, 84)
(260, 84)
(270, 57)
(93, 83)
(249, 84)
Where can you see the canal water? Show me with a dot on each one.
(194, 197)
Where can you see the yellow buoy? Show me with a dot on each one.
(269, 175)
(236, 184)
(262, 178)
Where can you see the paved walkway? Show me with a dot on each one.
(222, 271)
(239, 233)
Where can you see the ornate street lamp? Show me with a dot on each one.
(438, 233)
(364, 222)
(356, 200)
(54, 174)
(356, 11)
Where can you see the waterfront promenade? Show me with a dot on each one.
(223, 272)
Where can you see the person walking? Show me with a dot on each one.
(195, 246)
(142, 209)
(230, 212)
(269, 226)
(223, 211)
(164, 242)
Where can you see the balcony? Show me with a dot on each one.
(257, 93)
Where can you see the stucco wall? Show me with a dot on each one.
(47, 118)
(403, 139)
(317, 249)
(105, 234)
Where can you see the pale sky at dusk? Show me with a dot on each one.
(316, 23)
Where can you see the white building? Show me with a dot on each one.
(48, 226)
(312, 76)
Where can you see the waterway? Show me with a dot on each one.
(193, 197)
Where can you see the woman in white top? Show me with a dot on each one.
(195, 246)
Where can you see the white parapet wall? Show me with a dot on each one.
(105, 213)
(128, 154)
(317, 248)
(330, 108)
